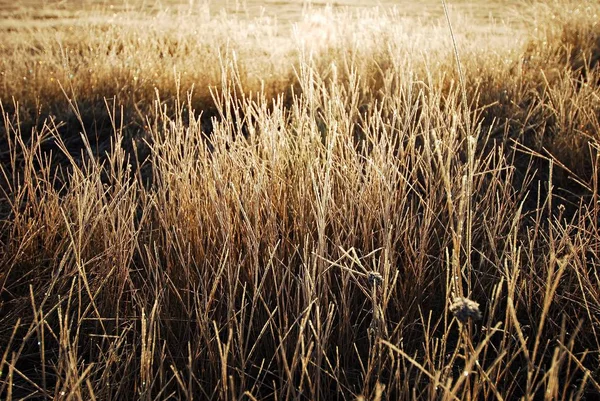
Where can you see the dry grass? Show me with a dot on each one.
(307, 236)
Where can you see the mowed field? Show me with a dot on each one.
(319, 203)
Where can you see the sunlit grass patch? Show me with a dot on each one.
(228, 209)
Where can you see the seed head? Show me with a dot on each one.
(375, 278)
(464, 309)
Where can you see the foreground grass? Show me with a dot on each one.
(300, 231)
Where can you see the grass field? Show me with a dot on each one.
(197, 207)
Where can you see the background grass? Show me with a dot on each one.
(202, 208)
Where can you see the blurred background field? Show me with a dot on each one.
(285, 10)
(129, 49)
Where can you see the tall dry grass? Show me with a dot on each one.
(309, 240)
